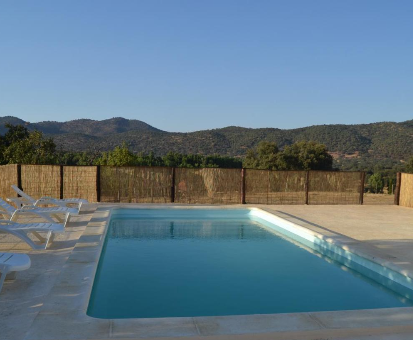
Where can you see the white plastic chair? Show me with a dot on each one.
(26, 199)
(11, 263)
(22, 230)
(48, 214)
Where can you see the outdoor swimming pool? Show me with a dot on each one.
(197, 262)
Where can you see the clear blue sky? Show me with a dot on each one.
(191, 65)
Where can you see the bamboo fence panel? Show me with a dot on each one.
(256, 186)
(275, 187)
(41, 180)
(208, 185)
(135, 184)
(115, 183)
(80, 182)
(200, 185)
(8, 177)
(406, 190)
(287, 187)
(334, 187)
(153, 184)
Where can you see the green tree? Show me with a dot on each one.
(307, 156)
(24, 147)
(84, 158)
(376, 183)
(251, 160)
(119, 156)
(148, 160)
(409, 166)
(218, 161)
(390, 187)
(264, 157)
(14, 134)
(153, 160)
(299, 156)
(172, 159)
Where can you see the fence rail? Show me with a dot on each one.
(139, 184)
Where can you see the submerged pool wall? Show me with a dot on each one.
(324, 247)
(378, 271)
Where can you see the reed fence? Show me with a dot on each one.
(184, 185)
(404, 190)
(275, 187)
(9, 175)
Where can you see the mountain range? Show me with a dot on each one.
(378, 140)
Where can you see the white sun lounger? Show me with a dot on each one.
(21, 230)
(26, 199)
(48, 214)
(11, 263)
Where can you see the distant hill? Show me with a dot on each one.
(82, 126)
(377, 140)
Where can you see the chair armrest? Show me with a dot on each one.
(26, 208)
(19, 201)
(45, 201)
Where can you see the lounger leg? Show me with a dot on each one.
(57, 217)
(50, 238)
(40, 237)
(13, 217)
(23, 236)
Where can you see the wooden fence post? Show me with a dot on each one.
(61, 182)
(173, 186)
(242, 186)
(362, 180)
(397, 190)
(19, 176)
(98, 183)
(307, 182)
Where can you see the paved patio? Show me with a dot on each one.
(387, 228)
(21, 300)
(384, 230)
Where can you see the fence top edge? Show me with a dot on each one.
(170, 167)
(128, 166)
(137, 166)
(323, 171)
(52, 165)
(184, 168)
(337, 171)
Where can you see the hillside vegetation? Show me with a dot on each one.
(20, 146)
(23, 143)
(386, 140)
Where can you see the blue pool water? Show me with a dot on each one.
(179, 263)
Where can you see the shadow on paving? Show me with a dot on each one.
(22, 299)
